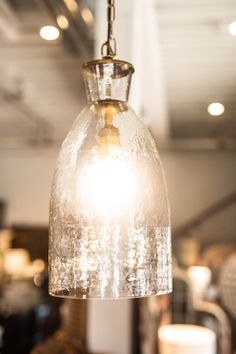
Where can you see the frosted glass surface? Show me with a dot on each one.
(109, 215)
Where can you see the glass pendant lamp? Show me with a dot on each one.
(109, 211)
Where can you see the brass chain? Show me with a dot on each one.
(110, 45)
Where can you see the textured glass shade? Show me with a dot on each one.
(109, 211)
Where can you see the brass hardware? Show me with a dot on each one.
(108, 107)
(122, 68)
(109, 136)
(110, 44)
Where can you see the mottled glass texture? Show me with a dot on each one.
(109, 213)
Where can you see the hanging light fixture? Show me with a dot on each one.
(109, 211)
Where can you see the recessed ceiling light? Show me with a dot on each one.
(71, 5)
(232, 28)
(216, 109)
(87, 15)
(62, 22)
(49, 33)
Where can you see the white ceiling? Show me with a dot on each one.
(41, 89)
(200, 64)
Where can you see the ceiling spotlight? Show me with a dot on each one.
(62, 22)
(87, 16)
(232, 28)
(71, 5)
(216, 109)
(49, 33)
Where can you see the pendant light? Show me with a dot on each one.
(109, 211)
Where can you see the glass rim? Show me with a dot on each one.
(123, 68)
(105, 298)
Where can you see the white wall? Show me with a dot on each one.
(25, 181)
(196, 180)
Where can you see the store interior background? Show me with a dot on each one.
(184, 57)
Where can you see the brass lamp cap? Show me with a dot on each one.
(121, 68)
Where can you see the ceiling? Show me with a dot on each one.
(199, 58)
(41, 90)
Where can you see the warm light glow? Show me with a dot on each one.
(5, 239)
(216, 109)
(107, 186)
(87, 15)
(38, 279)
(184, 338)
(16, 262)
(200, 278)
(38, 265)
(49, 33)
(200, 274)
(62, 22)
(71, 5)
(232, 28)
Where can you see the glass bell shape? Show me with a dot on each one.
(109, 234)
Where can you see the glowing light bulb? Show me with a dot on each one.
(216, 109)
(87, 15)
(107, 186)
(71, 5)
(49, 33)
(232, 28)
(62, 22)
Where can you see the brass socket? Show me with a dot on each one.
(109, 135)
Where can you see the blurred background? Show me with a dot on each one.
(184, 88)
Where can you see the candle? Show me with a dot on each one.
(186, 339)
